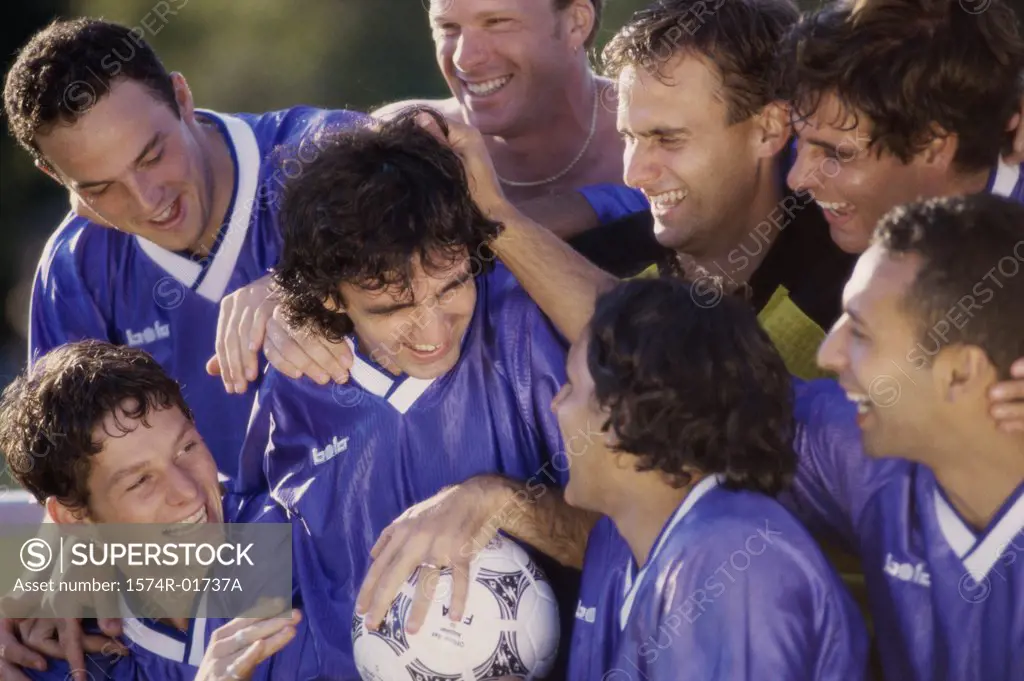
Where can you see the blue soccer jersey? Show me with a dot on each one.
(347, 460)
(595, 632)
(97, 282)
(735, 589)
(947, 601)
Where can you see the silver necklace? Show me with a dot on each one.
(586, 145)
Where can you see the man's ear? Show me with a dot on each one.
(773, 129)
(965, 373)
(42, 165)
(183, 96)
(941, 151)
(581, 22)
(63, 515)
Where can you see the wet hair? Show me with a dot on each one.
(372, 202)
(691, 387)
(50, 413)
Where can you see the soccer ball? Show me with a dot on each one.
(510, 626)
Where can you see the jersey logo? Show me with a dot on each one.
(337, 446)
(149, 334)
(584, 613)
(907, 572)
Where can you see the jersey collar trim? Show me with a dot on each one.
(404, 395)
(213, 279)
(159, 639)
(632, 586)
(1004, 179)
(979, 554)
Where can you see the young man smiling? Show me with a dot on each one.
(177, 258)
(903, 463)
(101, 434)
(454, 367)
(518, 70)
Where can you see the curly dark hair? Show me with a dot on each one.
(372, 200)
(690, 386)
(912, 67)
(598, 5)
(972, 249)
(49, 414)
(65, 68)
(740, 37)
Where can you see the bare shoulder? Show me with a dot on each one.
(449, 108)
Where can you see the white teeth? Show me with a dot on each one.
(488, 86)
(863, 402)
(165, 214)
(425, 348)
(835, 208)
(197, 518)
(667, 199)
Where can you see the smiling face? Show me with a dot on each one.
(156, 473)
(872, 348)
(503, 59)
(696, 169)
(854, 184)
(417, 332)
(137, 165)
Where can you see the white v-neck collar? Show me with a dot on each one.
(1006, 178)
(406, 388)
(189, 270)
(187, 648)
(979, 554)
(632, 586)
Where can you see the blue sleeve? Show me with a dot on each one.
(613, 201)
(62, 309)
(538, 373)
(725, 613)
(834, 478)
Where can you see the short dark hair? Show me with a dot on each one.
(739, 37)
(372, 200)
(911, 67)
(598, 6)
(65, 68)
(692, 386)
(970, 247)
(48, 415)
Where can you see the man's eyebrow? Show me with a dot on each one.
(665, 132)
(822, 144)
(855, 316)
(125, 472)
(387, 308)
(156, 139)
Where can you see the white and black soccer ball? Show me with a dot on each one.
(510, 626)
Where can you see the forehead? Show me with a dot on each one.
(118, 449)
(108, 137)
(450, 8)
(686, 91)
(833, 120)
(880, 282)
(424, 284)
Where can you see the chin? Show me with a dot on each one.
(433, 370)
(850, 241)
